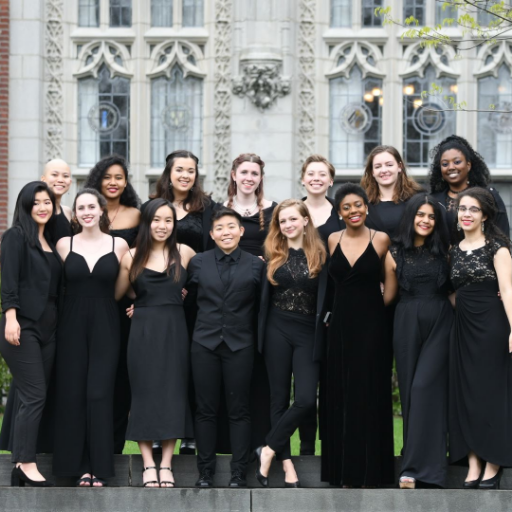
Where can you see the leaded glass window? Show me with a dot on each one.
(341, 13)
(355, 118)
(415, 8)
(103, 117)
(120, 13)
(161, 13)
(449, 11)
(89, 13)
(176, 115)
(426, 120)
(193, 13)
(495, 128)
(368, 13)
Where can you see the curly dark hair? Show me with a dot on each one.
(129, 197)
(347, 189)
(479, 175)
(489, 210)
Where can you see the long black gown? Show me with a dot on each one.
(87, 356)
(423, 320)
(158, 359)
(480, 416)
(357, 439)
(122, 391)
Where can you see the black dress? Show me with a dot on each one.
(357, 438)
(61, 227)
(122, 391)
(480, 416)
(158, 359)
(87, 356)
(254, 238)
(385, 216)
(190, 231)
(423, 320)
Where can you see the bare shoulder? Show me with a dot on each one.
(67, 211)
(187, 253)
(266, 203)
(381, 241)
(120, 246)
(63, 243)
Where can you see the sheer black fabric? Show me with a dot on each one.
(295, 291)
(190, 231)
(254, 237)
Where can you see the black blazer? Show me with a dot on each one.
(26, 275)
(321, 310)
(224, 315)
(211, 206)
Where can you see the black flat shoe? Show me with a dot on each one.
(86, 481)
(292, 485)
(205, 479)
(19, 479)
(97, 480)
(491, 483)
(263, 480)
(237, 479)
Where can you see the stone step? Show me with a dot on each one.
(112, 499)
(129, 472)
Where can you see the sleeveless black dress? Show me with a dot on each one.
(480, 416)
(61, 227)
(357, 438)
(421, 338)
(158, 359)
(87, 353)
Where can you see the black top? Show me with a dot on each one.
(155, 288)
(56, 272)
(190, 231)
(474, 266)
(25, 275)
(295, 291)
(448, 204)
(254, 237)
(99, 283)
(61, 227)
(385, 216)
(331, 225)
(226, 264)
(419, 273)
(128, 234)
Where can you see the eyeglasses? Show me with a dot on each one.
(472, 209)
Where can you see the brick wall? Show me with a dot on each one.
(4, 112)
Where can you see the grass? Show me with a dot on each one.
(132, 448)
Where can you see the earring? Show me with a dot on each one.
(191, 189)
(367, 211)
(483, 226)
(170, 184)
(458, 227)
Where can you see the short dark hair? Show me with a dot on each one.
(224, 211)
(347, 189)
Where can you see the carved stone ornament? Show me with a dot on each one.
(261, 83)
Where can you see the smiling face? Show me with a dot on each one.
(385, 169)
(454, 167)
(58, 176)
(292, 223)
(42, 208)
(247, 177)
(114, 182)
(162, 224)
(88, 211)
(226, 233)
(183, 174)
(425, 220)
(469, 214)
(317, 178)
(353, 210)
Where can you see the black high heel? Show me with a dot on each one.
(473, 484)
(491, 483)
(293, 485)
(19, 479)
(263, 480)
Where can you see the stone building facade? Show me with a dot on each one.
(281, 78)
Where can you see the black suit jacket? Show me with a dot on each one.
(26, 275)
(223, 315)
(321, 310)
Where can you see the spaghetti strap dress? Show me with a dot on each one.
(357, 439)
(87, 354)
(158, 359)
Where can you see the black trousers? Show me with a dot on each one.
(30, 364)
(209, 369)
(289, 350)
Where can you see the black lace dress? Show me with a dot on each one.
(421, 338)
(480, 416)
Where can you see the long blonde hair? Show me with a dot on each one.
(276, 245)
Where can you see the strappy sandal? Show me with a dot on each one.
(86, 481)
(169, 484)
(97, 480)
(146, 484)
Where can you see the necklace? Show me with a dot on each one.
(115, 215)
(455, 192)
(246, 212)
